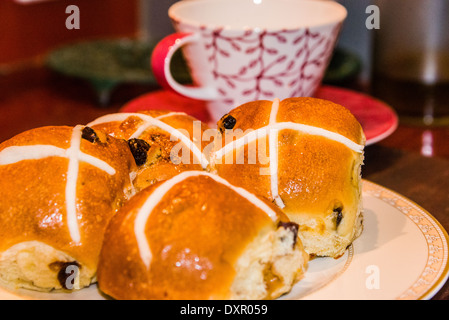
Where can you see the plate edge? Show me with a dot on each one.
(439, 283)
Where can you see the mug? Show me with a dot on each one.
(239, 51)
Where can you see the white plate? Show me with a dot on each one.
(401, 254)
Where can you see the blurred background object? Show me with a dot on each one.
(105, 64)
(154, 21)
(351, 64)
(35, 30)
(29, 30)
(404, 68)
(357, 41)
(411, 65)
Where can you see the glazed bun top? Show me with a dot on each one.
(184, 233)
(319, 146)
(158, 127)
(308, 111)
(61, 185)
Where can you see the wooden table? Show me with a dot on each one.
(35, 97)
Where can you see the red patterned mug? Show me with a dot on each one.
(244, 50)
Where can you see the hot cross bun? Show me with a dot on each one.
(60, 186)
(195, 236)
(304, 155)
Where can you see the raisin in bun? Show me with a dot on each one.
(164, 143)
(303, 154)
(195, 236)
(60, 186)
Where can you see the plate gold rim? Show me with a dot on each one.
(439, 281)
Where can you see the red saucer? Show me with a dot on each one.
(378, 120)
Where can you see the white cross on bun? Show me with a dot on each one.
(60, 187)
(164, 143)
(195, 236)
(239, 220)
(303, 154)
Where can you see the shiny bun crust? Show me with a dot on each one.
(206, 242)
(218, 223)
(36, 246)
(159, 154)
(318, 178)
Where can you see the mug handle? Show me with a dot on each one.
(160, 64)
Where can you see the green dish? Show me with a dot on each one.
(109, 63)
(343, 67)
